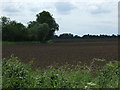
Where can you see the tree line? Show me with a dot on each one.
(71, 36)
(42, 29)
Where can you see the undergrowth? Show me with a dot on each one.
(19, 75)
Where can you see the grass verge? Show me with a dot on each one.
(25, 42)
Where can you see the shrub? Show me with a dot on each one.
(16, 74)
(19, 75)
(109, 76)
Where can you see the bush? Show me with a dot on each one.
(19, 75)
(16, 74)
(109, 76)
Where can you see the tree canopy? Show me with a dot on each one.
(12, 30)
(40, 30)
(46, 20)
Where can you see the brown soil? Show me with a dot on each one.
(72, 52)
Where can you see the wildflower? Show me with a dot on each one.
(91, 84)
(86, 86)
(57, 74)
(110, 64)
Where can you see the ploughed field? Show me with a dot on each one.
(62, 53)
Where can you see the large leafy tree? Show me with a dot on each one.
(39, 32)
(43, 32)
(46, 17)
(44, 23)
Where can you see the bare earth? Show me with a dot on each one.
(71, 52)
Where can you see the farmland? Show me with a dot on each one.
(62, 52)
(65, 69)
(34, 56)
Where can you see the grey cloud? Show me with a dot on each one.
(12, 10)
(100, 10)
(37, 7)
(10, 7)
(64, 7)
(34, 9)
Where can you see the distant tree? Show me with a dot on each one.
(76, 36)
(5, 20)
(31, 24)
(55, 37)
(5, 26)
(66, 36)
(39, 32)
(43, 28)
(86, 36)
(114, 36)
(43, 32)
(32, 31)
(13, 31)
(46, 17)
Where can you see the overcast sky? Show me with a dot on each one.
(74, 16)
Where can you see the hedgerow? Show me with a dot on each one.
(16, 74)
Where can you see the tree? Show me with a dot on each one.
(66, 36)
(46, 17)
(43, 32)
(31, 24)
(43, 28)
(39, 32)
(5, 27)
(5, 21)
(13, 31)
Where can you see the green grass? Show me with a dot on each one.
(55, 41)
(19, 75)
(13, 43)
(25, 42)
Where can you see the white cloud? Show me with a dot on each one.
(78, 17)
(64, 7)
